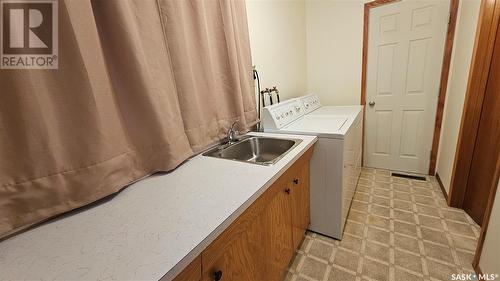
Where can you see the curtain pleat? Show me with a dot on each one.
(141, 86)
(214, 85)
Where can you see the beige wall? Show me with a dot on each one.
(334, 49)
(490, 261)
(308, 46)
(457, 83)
(278, 42)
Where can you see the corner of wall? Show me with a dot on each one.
(468, 14)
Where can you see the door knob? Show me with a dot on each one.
(372, 103)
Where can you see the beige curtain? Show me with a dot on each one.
(141, 86)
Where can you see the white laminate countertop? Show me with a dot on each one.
(151, 229)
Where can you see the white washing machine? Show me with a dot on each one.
(336, 161)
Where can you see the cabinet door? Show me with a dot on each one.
(278, 233)
(237, 254)
(191, 273)
(299, 196)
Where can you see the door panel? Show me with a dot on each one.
(405, 53)
(412, 122)
(237, 253)
(415, 75)
(422, 18)
(386, 63)
(277, 241)
(487, 148)
(388, 24)
(383, 133)
(300, 202)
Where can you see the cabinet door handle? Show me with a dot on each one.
(218, 275)
(296, 181)
(287, 190)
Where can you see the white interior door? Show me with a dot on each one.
(405, 54)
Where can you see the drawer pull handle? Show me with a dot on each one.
(218, 275)
(287, 190)
(296, 181)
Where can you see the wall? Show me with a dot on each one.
(489, 261)
(278, 43)
(457, 85)
(334, 50)
(308, 46)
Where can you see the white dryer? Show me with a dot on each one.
(336, 161)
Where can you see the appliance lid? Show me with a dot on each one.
(318, 124)
(343, 110)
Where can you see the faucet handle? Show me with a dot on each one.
(231, 128)
(231, 132)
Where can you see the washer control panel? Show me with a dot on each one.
(279, 115)
(310, 102)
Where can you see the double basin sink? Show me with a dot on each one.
(254, 149)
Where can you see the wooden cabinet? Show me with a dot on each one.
(237, 254)
(300, 202)
(277, 230)
(261, 242)
(192, 272)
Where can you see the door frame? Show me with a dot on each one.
(489, 17)
(486, 220)
(448, 48)
(484, 45)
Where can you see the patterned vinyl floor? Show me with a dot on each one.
(397, 229)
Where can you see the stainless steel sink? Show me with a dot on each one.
(254, 149)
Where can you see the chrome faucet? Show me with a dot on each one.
(232, 133)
